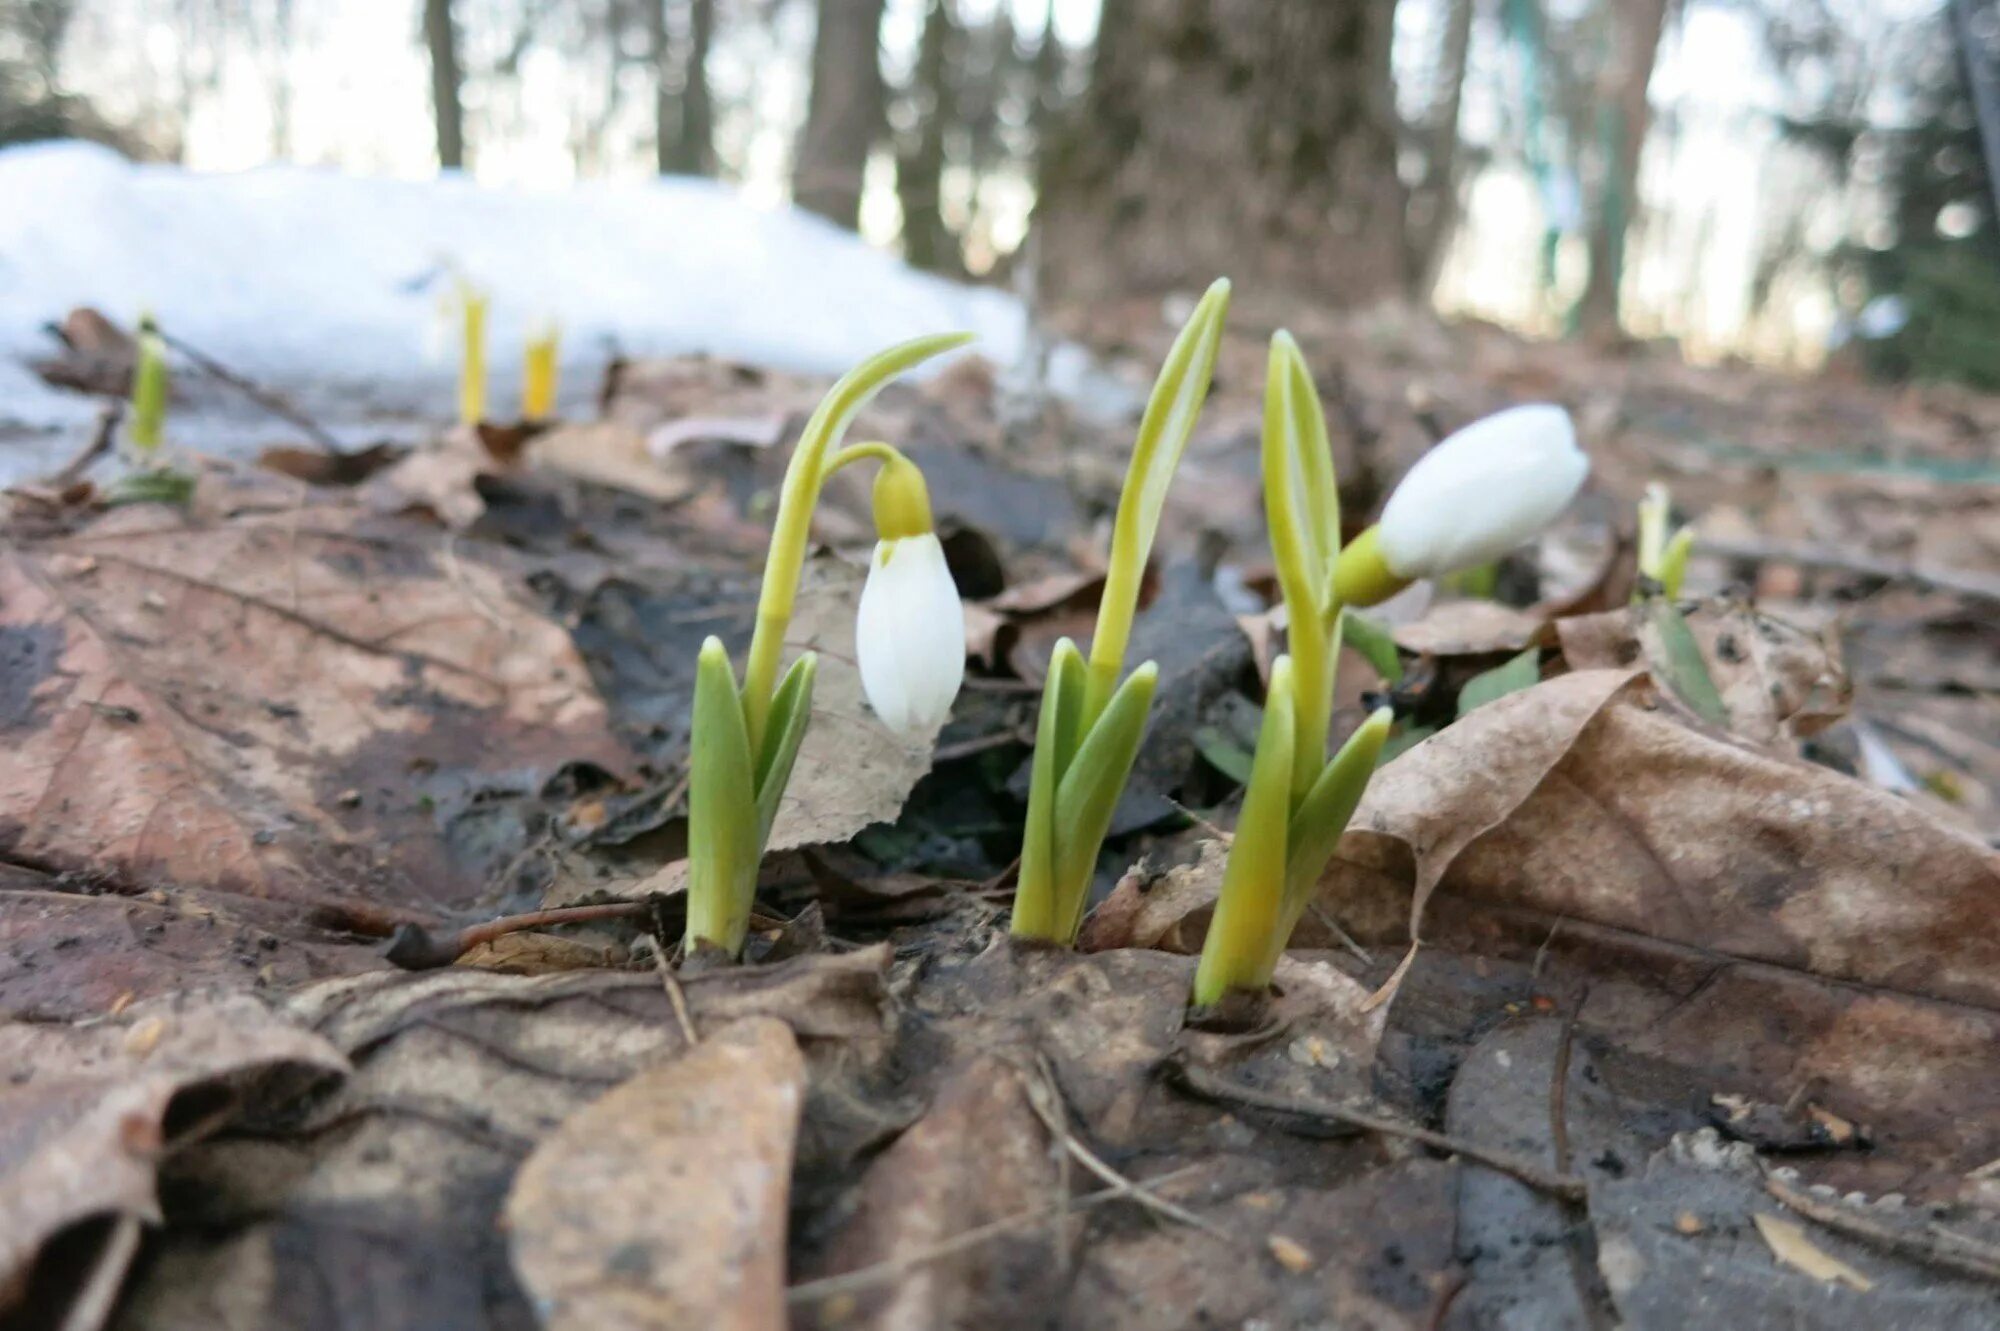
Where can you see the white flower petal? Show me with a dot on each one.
(1483, 491)
(909, 637)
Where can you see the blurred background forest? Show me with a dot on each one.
(1781, 181)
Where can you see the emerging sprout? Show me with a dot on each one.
(471, 353)
(149, 391)
(1469, 500)
(1663, 559)
(1091, 723)
(1474, 497)
(745, 741)
(539, 371)
(1297, 803)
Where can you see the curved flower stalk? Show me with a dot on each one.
(1091, 722)
(746, 740)
(1457, 508)
(1477, 495)
(1663, 559)
(149, 391)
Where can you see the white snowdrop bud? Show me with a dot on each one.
(910, 635)
(1484, 490)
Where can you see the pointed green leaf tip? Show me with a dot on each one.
(1163, 437)
(723, 817)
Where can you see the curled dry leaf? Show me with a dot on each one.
(1642, 822)
(1790, 1245)
(301, 705)
(88, 1114)
(663, 1203)
(608, 453)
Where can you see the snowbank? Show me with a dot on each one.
(297, 274)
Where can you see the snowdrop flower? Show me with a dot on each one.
(1477, 495)
(909, 637)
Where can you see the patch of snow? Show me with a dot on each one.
(306, 278)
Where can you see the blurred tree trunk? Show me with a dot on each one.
(447, 82)
(927, 242)
(1636, 28)
(1236, 137)
(844, 113)
(683, 110)
(1434, 208)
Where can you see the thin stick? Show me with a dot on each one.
(1044, 1097)
(1221, 1089)
(890, 1269)
(417, 949)
(277, 406)
(676, 996)
(1939, 1248)
(101, 438)
(1559, 1091)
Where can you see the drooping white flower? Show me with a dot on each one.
(909, 637)
(1483, 491)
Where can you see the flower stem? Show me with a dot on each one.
(804, 476)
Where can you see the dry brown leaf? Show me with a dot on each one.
(608, 453)
(88, 1113)
(288, 704)
(1441, 796)
(1780, 682)
(979, 1156)
(1790, 1245)
(1149, 909)
(1645, 823)
(400, 1174)
(441, 477)
(663, 1204)
(1471, 628)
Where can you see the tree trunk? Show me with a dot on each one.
(683, 112)
(1434, 211)
(844, 113)
(1636, 29)
(447, 82)
(927, 242)
(1245, 138)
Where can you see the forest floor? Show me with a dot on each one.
(1704, 1028)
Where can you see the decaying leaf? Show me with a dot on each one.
(607, 453)
(1471, 628)
(458, 1074)
(1777, 682)
(978, 1158)
(300, 705)
(663, 1204)
(89, 1113)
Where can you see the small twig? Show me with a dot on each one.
(1961, 582)
(98, 445)
(1559, 1090)
(890, 1269)
(1222, 834)
(967, 748)
(416, 948)
(1044, 1097)
(277, 406)
(1936, 1247)
(676, 996)
(1332, 926)
(1221, 1089)
(91, 1308)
